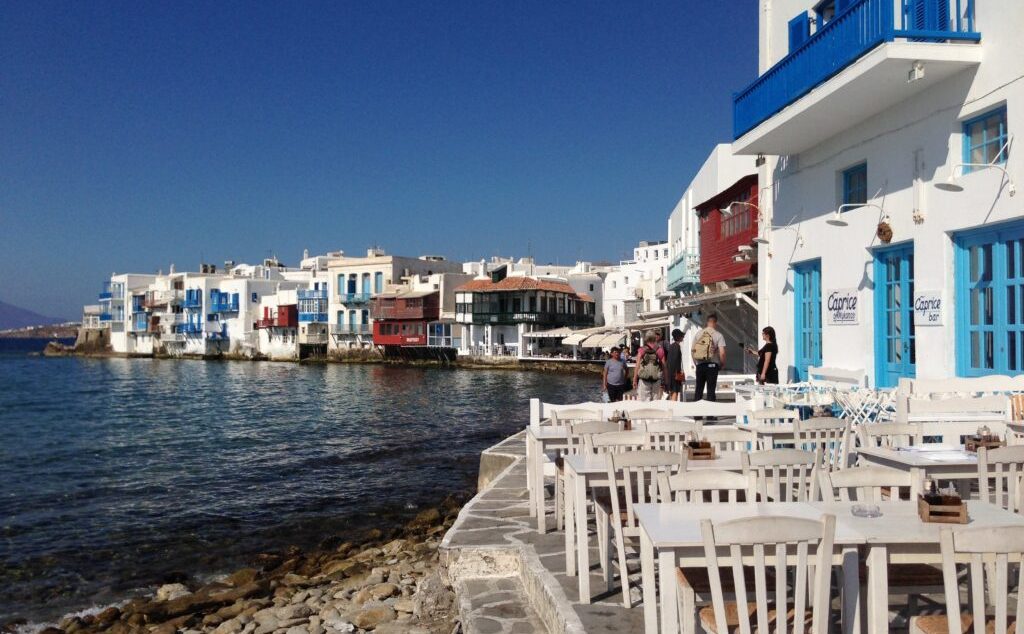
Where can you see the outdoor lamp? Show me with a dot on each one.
(837, 219)
(727, 210)
(951, 184)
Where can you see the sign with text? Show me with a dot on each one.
(841, 307)
(928, 308)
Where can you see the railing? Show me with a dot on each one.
(313, 337)
(351, 329)
(444, 342)
(106, 317)
(313, 317)
(684, 269)
(192, 302)
(392, 312)
(172, 337)
(218, 334)
(848, 36)
(510, 317)
(105, 296)
(353, 298)
(223, 307)
(190, 328)
(318, 293)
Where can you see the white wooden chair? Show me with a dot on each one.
(643, 415)
(988, 553)
(999, 477)
(635, 477)
(772, 416)
(779, 548)
(785, 475)
(615, 442)
(729, 438)
(567, 417)
(670, 435)
(828, 438)
(1015, 433)
(578, 443)
(890, 435)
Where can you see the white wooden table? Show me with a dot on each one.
(772, 435)
(538, 441)
(670, 533)
(936, 462)
(586, 472)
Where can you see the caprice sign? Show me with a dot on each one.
(928, 308)
(841, 307)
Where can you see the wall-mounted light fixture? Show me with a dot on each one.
(727, 210)
(762, 239)
(951, 184)
(837, 219)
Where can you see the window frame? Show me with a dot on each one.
(1004, 135)
(845, 180)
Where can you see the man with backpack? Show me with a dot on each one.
(708, 352)
(650, 365)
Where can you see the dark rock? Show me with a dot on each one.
(242, 577)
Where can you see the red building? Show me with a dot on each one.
(722, 233)
(286, 316)
(400, 318)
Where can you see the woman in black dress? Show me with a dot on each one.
(767, 371)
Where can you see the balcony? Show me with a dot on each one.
(317, 293)
(218, 335)
(313, 338)
(224, 303)
(192, 302)
(190, 328)
(313, 317)
(353, 298)
(854, 67)
(106, 317)
(508, 318)
(350, 330)
(173, 337)
(684, 270)
(105, 296)
(403, 312)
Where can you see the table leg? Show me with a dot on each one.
(650, 591)
(916, 482)
(667, 575)
(851, 590)
(569, 491)
(582, 537)
(878, 589)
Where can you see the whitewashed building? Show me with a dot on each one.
(893, 243)
(636, 286)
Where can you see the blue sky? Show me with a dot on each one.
(137, 134)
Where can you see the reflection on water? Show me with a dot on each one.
(121, 473)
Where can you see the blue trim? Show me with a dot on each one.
(1000, 141)
(850, 188)
(806, 274)
(883, 370)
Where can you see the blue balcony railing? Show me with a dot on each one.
(224, 306)
(846, 38)
(683, 270)
(190, 328)
(315, 293)
(354, 298)
(313, 317)
(105, 296)
(221, 334)
(106, 317)
(193, 299)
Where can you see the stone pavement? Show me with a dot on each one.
(494, 550)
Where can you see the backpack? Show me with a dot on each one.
(702, 347)
(650, 370)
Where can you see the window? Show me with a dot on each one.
(985, 139)
(740, 220)
(255, 298)
(824, 12)
(591, 288)
(799, 31)
(855, 185)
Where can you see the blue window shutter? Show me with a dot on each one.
(940, 15)
(799, 31)
(917, 11)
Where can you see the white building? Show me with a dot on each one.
(635, 286)
(122, 300)
(897, 243)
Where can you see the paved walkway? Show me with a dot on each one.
(495, 538)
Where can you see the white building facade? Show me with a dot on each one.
(636, 286)
(894, 243)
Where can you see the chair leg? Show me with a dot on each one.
(620, 545)
(606, 557)
(559, 501)
(687, 603)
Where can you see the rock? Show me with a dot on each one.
(231, 626)
(293, 611)
(340, 567)
(433, 599)
(242, 577)
(108, 616)
(171, 591)
(370, 617)
(425, 519)
(51, 630)
(296, 629)
(292, 579)
(404, 605)
(394, 546)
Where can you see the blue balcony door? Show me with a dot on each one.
(989, 272)
(895, 341)
(807, 318)
(366, 284)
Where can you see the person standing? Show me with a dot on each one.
(767, 370)
(675, 378)
(615, 379)
(650, 364)
(708, 352)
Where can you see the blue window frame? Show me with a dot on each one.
(985, 139)
(855, 185)
(807, 318)
(378, 282)
(895, 334)
(989, 271)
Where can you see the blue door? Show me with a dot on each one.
(989, 273)
(807, 318)
(895, 347)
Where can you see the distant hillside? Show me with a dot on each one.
(14, 317)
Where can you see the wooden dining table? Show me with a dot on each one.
(926, 462)
(670, 537)
(585, 472)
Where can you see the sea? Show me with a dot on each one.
(117, 475)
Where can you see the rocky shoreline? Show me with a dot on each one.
(385, 584)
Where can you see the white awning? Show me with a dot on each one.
(593, 341)
(574, 339)
(688, 303)
(557, 333)
(613, 339)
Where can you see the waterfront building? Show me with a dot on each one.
(499, 309)
(91, 317)
(354, 281)
(891, 241)
(277, 329)
(122, 300)
(635, 286)
(416, 319)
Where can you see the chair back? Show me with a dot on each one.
(999, 477)
(709, 486)
(670, 435)
(772, 416)
(828, 438)
(986, 552)
(615, 442)
(580, 433)
(636, 477)
(645, 414)
(785, 475)
(729, 437)
(1015, 433)
(779, 545)
(570, 416)
(890, 435)
(865, 484)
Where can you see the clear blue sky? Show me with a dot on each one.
(137, 134)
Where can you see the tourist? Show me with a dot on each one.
(767, 370)
(675, 378)
(708, 353)
(650, 364)
(615, 379)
